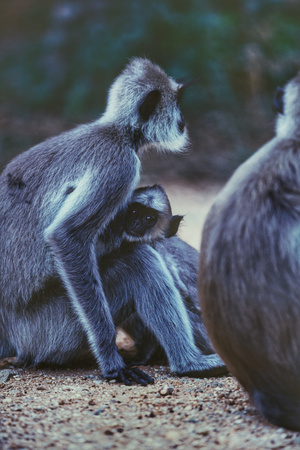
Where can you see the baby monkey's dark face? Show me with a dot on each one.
(139, 219)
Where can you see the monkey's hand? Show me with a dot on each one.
(129, 374)
(209, 366)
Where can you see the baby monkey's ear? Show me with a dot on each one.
(173, 226)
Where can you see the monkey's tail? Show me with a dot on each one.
(280, 409)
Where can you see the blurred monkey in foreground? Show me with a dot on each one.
(250, 268)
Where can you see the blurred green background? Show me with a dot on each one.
(58, 58)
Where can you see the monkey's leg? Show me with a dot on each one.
(49, 333)
(160, 307)
(72, 236)
(118, 278)
(190, 299)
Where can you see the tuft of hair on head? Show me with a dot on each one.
(145, 100)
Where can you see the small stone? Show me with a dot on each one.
(188, 408)
(197, 444)
(166, 390)
(108, 432)
(192, 420)
(18, 408)
(202, 431)
(39, 409)
(172, 435)
(5, 375)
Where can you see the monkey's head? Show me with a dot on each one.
(144, 99)
(149, 216)
(287, 104)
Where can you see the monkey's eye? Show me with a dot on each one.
(133, 211)
(150, 219)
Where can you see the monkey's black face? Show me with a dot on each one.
(278, 102)
(139, 219)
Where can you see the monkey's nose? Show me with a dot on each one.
(181, 124)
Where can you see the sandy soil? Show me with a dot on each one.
(77, 409)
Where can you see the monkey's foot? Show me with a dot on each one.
(209, 366)
(136, 362)
(127, 375)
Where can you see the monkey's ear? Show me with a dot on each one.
(149, 103)
(173, 226)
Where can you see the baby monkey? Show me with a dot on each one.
(148, 219)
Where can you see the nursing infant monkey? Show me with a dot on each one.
(56, 201)
(249, 282)
(148, 219)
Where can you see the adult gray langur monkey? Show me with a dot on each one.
(250, 267)
(55, 201)
(148, 219)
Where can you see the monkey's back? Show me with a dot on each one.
(33, 188)
(249, 276)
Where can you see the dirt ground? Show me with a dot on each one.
(76, 409)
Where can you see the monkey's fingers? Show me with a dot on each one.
(127, 375)
(119, 376)
(139, 376)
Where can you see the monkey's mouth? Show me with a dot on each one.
(135, 234)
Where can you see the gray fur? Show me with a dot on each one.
(55, 200)
(181, 262)
(249, 271)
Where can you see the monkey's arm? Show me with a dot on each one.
(72, 237)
